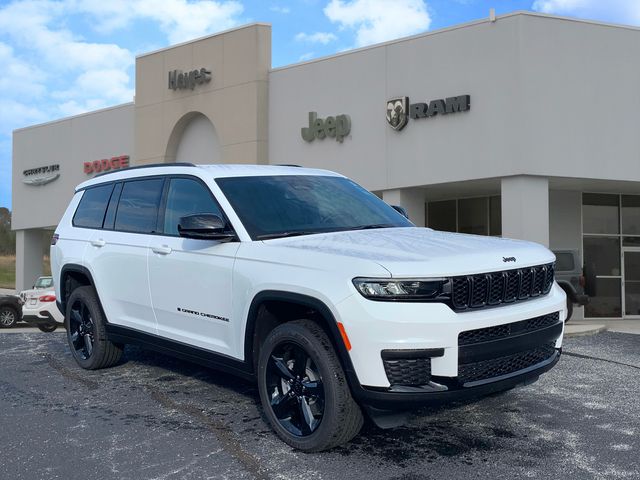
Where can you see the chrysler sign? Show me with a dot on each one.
(41, 175)
(399, 110)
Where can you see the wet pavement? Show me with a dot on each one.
(154, 417)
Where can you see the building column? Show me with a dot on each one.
(28, 258)
(411, 199)
(525, 208)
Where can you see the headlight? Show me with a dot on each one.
(401, 289)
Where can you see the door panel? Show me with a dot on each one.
(190, 283)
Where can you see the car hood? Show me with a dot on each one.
(414, 251)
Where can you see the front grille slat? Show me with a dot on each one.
(496, 367)
(495, 288)
(498, 332)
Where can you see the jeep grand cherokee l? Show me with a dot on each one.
(306, 283)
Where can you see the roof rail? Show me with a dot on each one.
(286, 165)
(151, 165)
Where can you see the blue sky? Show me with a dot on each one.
(65, 57)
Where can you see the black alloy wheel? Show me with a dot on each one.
(81, 330)
(296, 390)
(303, 388)
(48, 327)
(86, 331)
(8, 317)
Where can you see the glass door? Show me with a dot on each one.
(631, 281)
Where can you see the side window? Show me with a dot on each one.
(138, 206)
(187, 197)
(110, 216)
(93, 204)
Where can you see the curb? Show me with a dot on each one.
(582, 330)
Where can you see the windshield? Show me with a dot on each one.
(288, 205)
(44, 282)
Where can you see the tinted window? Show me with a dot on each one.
(186, 197)
(564, 262)
(110, 216)
(93, 204)
(272, 206)
(138, 206)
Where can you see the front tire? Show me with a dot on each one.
(303, 388)
(8, 316)
(85, 324)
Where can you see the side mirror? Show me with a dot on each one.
(204, 226)
(401, 211)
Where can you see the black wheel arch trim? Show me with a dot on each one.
(306, 301)
(568, 289)
(73, 267)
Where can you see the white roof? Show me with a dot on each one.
(213, 171)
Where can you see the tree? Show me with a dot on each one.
(7, 237)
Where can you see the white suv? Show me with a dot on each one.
(305, 282)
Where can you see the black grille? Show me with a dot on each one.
(495, 367)
(408, 371)
(489, 289)
(503, 331)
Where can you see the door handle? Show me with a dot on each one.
(98, 243)
(162, 250)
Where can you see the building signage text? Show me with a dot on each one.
(179, 80)
(399, 110)
(41, 175)
(336, 127)
(106, 164)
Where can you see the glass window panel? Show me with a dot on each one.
(138, 206)
(602, 255)
(600, 213)
(90, 212)
(186, 197)
(631, 241)
(564, 262)
(607, 302)
(495, 216)
(631, 214)
(442, 215)
(472, 216)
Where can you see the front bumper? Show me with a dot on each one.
(377, 327)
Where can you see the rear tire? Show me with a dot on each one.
(85, 324)
(301, 378)
(48, 328)
(8, 316)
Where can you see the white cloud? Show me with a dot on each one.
(278, 9)
(306, 56)
(376, 21)
(180, 20)
(319, 37)
(617, 11)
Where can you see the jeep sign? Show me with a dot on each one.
(336, 127)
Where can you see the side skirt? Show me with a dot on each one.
(207, 358)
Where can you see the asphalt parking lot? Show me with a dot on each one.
(153, 417)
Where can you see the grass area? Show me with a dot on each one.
(8, 270)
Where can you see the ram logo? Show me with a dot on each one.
(508, 259)
(397, 112)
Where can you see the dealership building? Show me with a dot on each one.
(524, 125)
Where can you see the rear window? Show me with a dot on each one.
(93, 204)
(138, 206)
(564, 262)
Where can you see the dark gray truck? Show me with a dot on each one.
(571, 276)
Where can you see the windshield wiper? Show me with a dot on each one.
(370, 227)
(268, 236)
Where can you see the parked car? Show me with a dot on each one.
(10, 310)
(570, 276)
(303, 281)
(40, 309)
